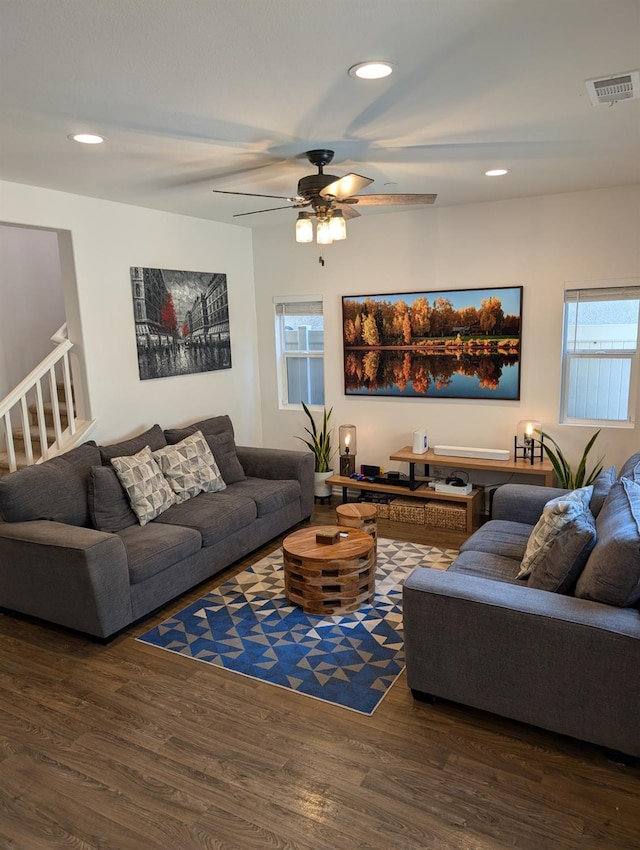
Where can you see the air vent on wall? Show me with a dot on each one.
(617, 87)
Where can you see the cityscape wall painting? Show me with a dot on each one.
(457, 343)
(181, 321)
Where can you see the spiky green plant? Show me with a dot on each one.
(320, 442)
(567, 477)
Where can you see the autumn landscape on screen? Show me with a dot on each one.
(454, 344)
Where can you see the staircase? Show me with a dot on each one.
(39, 419)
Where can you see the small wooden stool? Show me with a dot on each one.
(359, 515)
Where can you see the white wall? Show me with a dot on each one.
(106, 239)
(31, 300)
(539, 243)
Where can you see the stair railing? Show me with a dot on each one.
(49, 379)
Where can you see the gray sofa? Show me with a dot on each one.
(541, 650)
(72, 552)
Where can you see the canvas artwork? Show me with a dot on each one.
(458, 343)
(181, 320)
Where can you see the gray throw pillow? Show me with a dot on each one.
(221, 442)
(556, 513)
(109, 506)
(564, 560)
(189, 467)
(612, 573)
(147, 489)
(601, 487)
(153, 437)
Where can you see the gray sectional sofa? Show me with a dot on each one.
(73, 552)
(559, 649)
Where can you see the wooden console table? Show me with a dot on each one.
(542, 469)
(471, 501)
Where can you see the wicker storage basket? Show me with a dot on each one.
(443, 515)
(407, 510)
(383, 509)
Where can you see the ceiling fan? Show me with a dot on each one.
(331, 199)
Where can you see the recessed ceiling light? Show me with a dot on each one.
(371, 70)
(497, 172)
(86, 138)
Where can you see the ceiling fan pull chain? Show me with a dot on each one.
(321, 260)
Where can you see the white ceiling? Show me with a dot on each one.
(228, 94)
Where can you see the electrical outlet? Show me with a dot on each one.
(438, 471)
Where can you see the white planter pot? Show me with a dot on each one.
(320, 488)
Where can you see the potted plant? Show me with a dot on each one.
(567, 477)
(320, 444)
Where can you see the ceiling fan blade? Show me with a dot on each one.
(254, 195)
(271, 209)
(348, 211)
(346, 186)
(395, 199)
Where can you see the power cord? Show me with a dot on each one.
(455, 479)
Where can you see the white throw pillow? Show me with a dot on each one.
(555, 514)
(190, 467)
(146, 487)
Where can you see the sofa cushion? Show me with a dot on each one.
(153, 548)
(54, 490)
(500, 537)
(146, 487)
(631, 468)
(153, 437)
(556, 513)
(215, 425)
(486, 565)
(612, 573)
(109, 507)
(565, 558)
(189, 467)
(601, 487)
(268, 494)
(218, 432)
(214, 515)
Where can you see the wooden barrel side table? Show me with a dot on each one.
(359, 515)
(327, 579)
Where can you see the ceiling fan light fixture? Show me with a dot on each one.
(337, 226)
(496, 172)
(86, 138)
(304, 228)
(371, 70)
(323, 233)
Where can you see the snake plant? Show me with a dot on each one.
(569, 478)
(320, 440)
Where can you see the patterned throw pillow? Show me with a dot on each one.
(556, 513)
(190, 468)
(565, 558)
(146, 487)
(218, 432)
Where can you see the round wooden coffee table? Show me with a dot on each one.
(358, 515)
(326, 579)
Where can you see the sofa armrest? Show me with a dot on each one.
(281, 464)
(543, 658)
(522, 502)
(74, 576)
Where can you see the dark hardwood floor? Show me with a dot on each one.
(127, 747)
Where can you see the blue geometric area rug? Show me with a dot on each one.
(247, 625)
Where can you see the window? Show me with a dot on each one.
(600, 355)
(300, 350)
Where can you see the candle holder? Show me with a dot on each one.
(528, 442)
(347, 449)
